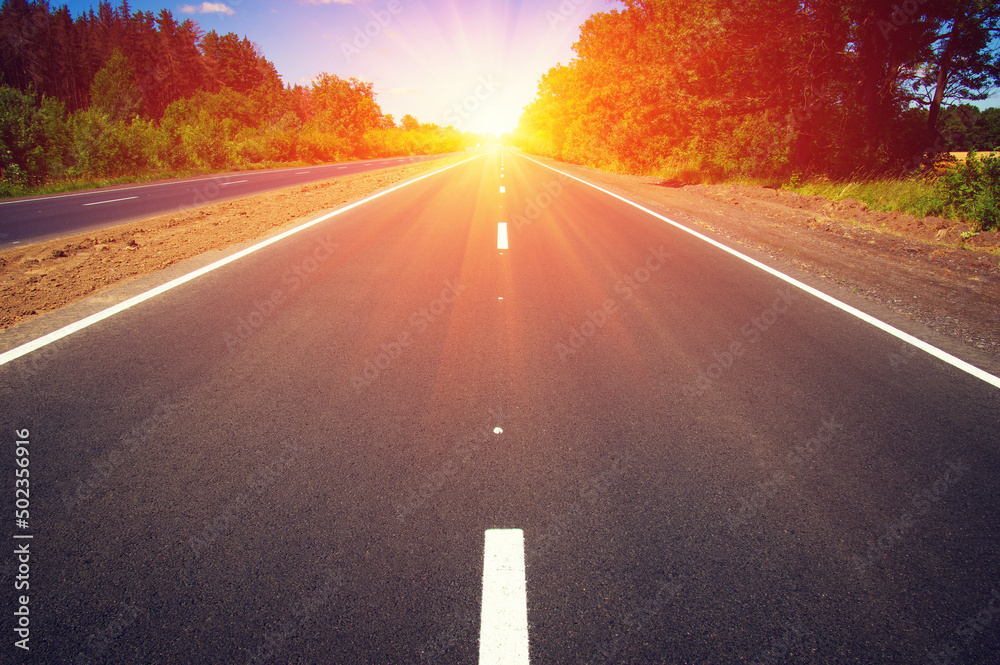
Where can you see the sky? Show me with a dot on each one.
(472, 64)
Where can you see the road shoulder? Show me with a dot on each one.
(96, 269)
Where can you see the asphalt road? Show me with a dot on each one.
(294, 458)
(45, 217)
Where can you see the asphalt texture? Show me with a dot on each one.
(39, 218)
(294, 458)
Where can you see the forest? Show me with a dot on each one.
(116, 92)
(772, 89)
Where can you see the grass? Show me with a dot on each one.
(911, 196)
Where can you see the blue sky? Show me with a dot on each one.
(474, 64)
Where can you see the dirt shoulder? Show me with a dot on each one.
(923, 271)
(46, 276)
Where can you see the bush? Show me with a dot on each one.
(105, 148)
(315, 147)
(22, 150)
(58, 133)
(206, 144)
(973, 189)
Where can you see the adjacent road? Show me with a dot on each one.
(46, 217)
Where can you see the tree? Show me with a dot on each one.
(965, 64)
(113, 92)
(986, 134)
(22, 149)
(234, 63)
(409, 123)
(346, 108)
(761, 87)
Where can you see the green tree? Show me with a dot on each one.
(114, 92)
(986, 134)
(22, 139)
(234, 63)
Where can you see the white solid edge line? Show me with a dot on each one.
(944, 356)
(502, 235)
(100, 203)
(66, 331)
(503, 631)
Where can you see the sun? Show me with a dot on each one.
(493, 118)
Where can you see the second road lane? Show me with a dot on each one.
(44, 217)
(297, 456)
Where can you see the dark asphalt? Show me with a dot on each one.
(292, 459)
(45, 217)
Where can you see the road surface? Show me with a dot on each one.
(296, 457)
(40, 218)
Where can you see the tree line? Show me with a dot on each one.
(770, 88)
(113, 92)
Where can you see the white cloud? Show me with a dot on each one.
(208, 8)
(329, 2)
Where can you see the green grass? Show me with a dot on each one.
(910, 196)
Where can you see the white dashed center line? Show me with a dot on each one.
(100, 203)
(502, 235)
(503, 635)
(234, 182)
(503, 190)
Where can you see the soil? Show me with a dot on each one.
(46, 276)
(931, 271)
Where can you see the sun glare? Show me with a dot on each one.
(496, 121)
